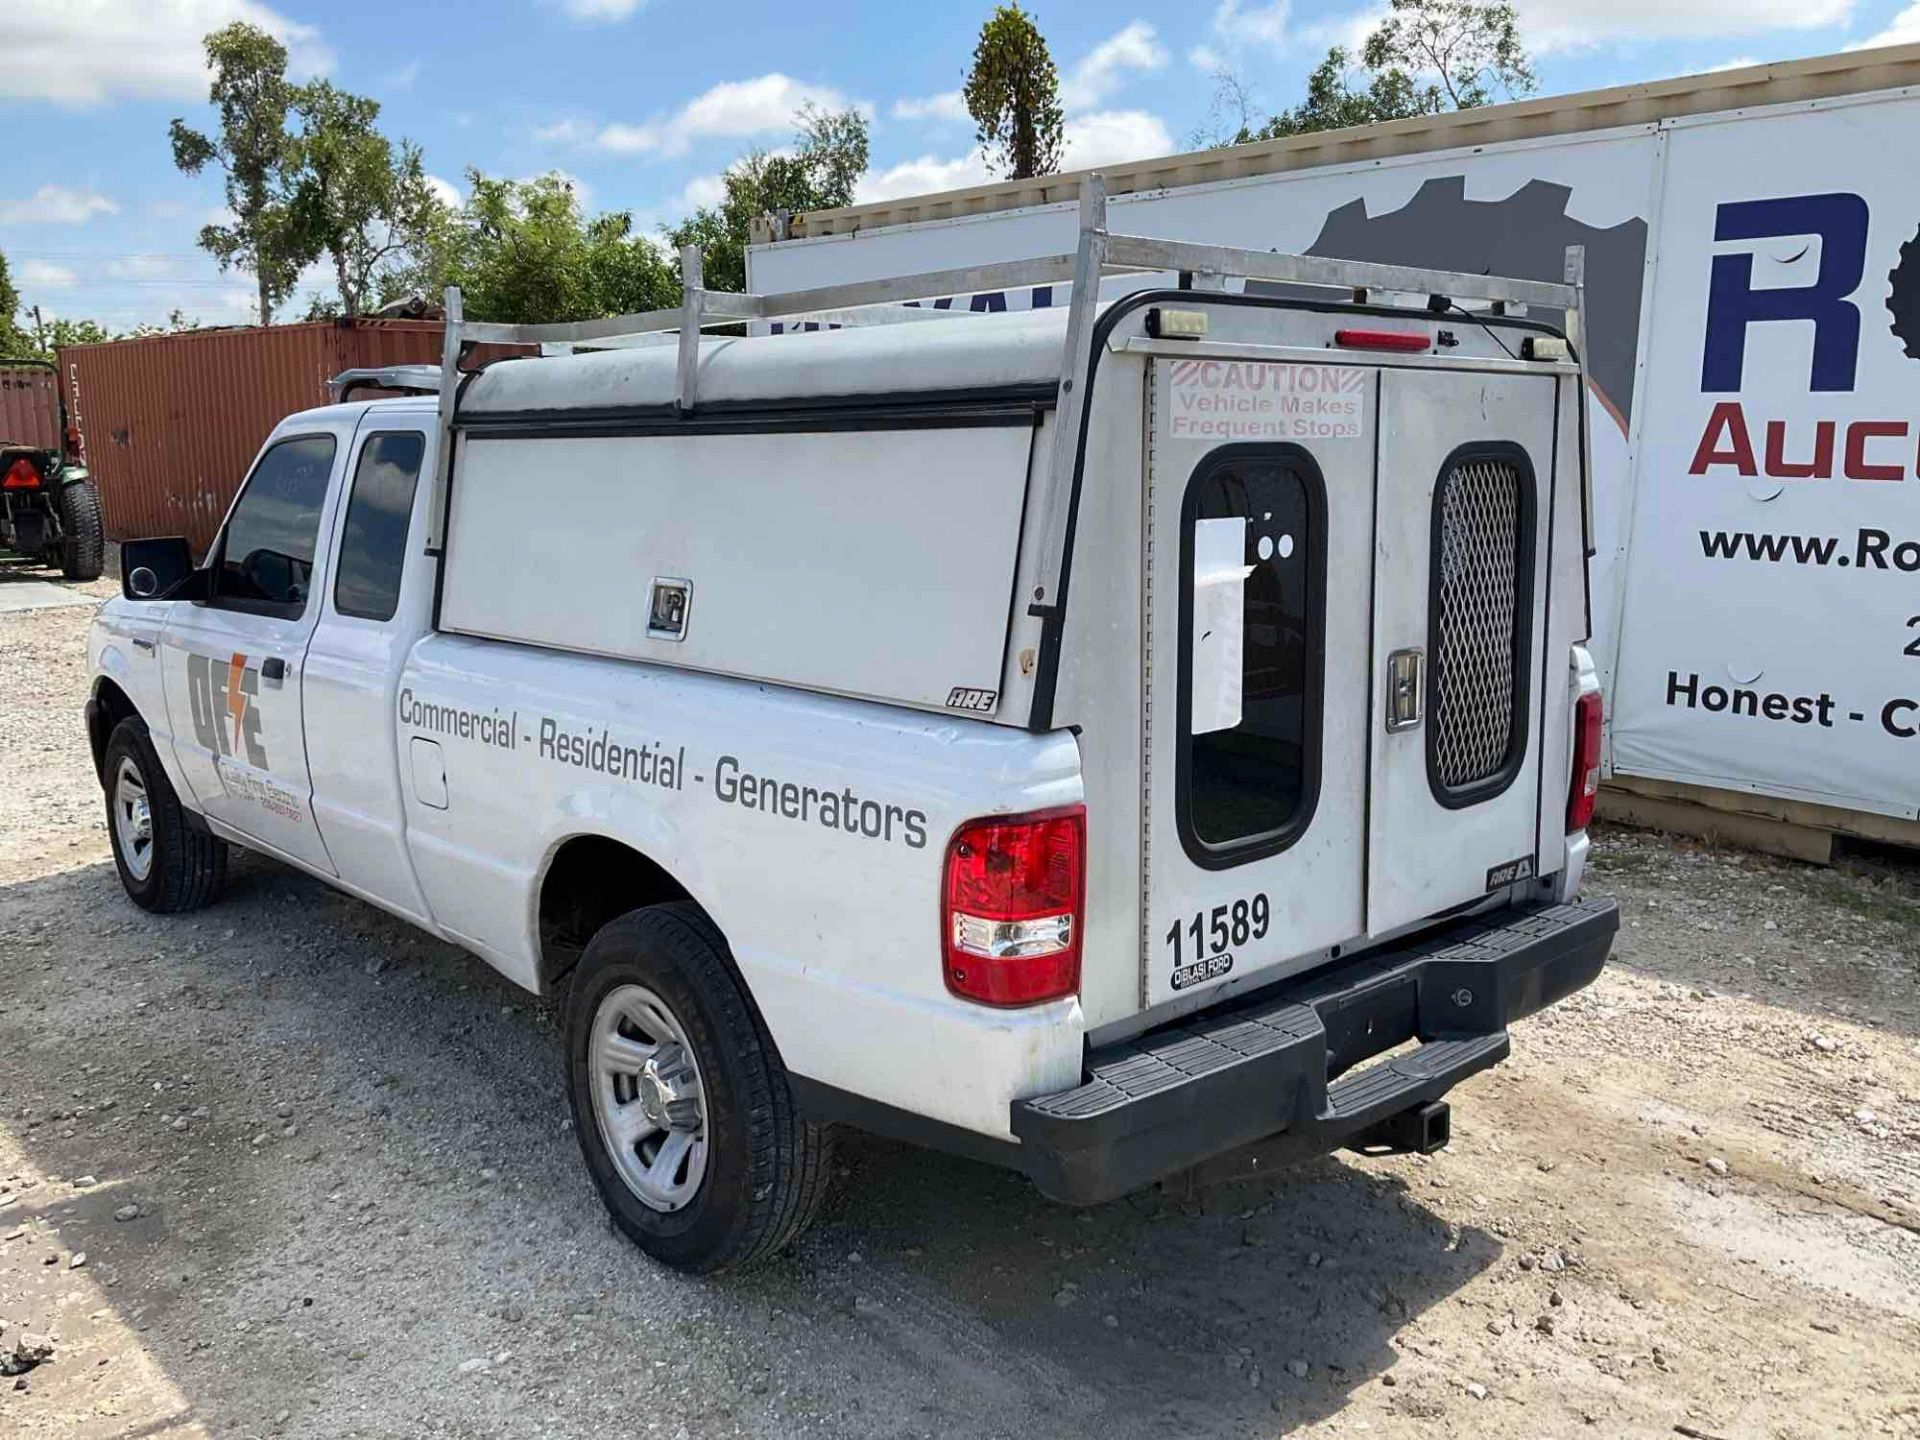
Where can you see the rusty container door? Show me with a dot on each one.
(169, 424)
(29, 406)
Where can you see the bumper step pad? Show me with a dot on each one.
(1158, 1103)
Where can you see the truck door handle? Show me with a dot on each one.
(1404, 698)
(273, 668)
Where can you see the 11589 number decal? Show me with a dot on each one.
(1202, 947)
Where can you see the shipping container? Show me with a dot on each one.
(29, 405)
(169, 424)
(1752, 257)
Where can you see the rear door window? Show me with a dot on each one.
(1253, 578)
(266, 556)
(373, 542)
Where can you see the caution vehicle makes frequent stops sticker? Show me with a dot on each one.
(1262, 400)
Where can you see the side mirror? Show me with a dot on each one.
(156, 569)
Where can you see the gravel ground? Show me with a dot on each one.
(287, 1167)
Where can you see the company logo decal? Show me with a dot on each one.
(967, 697)
(1802, 447)
(226, 719)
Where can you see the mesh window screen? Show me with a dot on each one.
(1480, 597)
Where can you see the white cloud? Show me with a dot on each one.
(1905, 30)
(445, 191)
(701, 191)
(1113, 136)
(948, 107)
(1109, 65)
(924, 176)
(402, 77)
(1103, 138)
(142, 267)
(1553, 25)
(86, 52)
(56, 205)
(45, 275)
(601, 12)
(733, 109)
(1237, 28)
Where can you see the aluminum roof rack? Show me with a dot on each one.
(1098, 254)
(409, 379)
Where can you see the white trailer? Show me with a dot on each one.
(1753, 244)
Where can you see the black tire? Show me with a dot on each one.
(83, 550)
(186, 868)
(767, 1170)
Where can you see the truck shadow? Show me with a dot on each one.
(375, 1180)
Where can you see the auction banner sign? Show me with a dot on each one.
(1770, 634)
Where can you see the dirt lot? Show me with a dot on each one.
(288, 1168)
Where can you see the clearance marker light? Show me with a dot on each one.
(1163, 324)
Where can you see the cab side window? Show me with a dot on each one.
(266, 556)
(373, 543)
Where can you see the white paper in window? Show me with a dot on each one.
(1219, 608)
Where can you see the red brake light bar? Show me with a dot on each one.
(1405, 340)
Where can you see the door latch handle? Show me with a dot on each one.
(273, 668)
(1405, 688)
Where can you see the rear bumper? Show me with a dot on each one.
(1169, 1099)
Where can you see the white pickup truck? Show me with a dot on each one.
(1081, 740)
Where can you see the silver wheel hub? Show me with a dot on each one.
(133, 819)
(647, 1097)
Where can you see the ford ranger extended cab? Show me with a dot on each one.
(1089, 740)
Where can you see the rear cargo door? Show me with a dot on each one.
(1460, 557)
(1259, 566)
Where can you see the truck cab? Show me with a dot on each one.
(1087, 741)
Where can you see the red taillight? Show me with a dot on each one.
(1586, 761)
(21, 475)
(1011, 907)
(1382, 340)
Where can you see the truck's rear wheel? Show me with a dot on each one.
(83, 550)
(680, 1100)
(165, 864)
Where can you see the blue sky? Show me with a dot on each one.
(645, 102)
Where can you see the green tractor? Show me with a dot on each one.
(49, 509)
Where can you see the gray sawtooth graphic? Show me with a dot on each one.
(1524, 235)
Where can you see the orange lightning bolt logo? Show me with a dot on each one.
(236, 697)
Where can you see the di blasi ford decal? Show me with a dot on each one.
(723, 779)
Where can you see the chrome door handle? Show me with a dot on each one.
(1405, 688)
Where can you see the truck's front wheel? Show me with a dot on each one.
(680, 1100)
(165, 864)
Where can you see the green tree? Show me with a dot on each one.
(1424, 58)
(1013, 95)
(522, 252)
(828, 159)
(14, 341)
(253, 97)
(353, 195)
